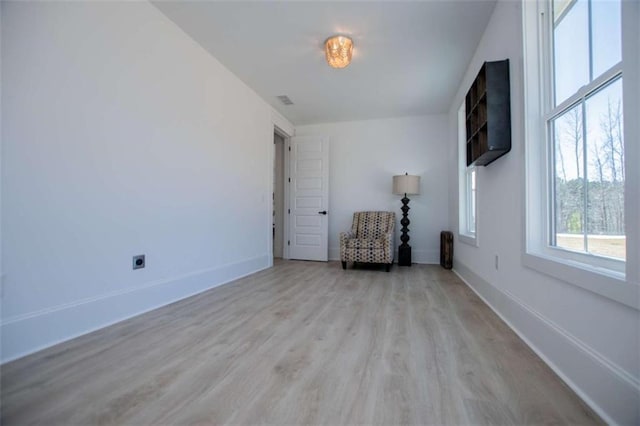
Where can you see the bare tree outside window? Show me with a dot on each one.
(589, 188)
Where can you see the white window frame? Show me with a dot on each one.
(467, 231)
(598, 274)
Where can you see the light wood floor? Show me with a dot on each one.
(301, 343)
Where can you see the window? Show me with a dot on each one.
(585, 127)
(467, 186)
(575, 142)
(471, 200)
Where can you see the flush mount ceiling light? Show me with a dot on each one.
(338, 50)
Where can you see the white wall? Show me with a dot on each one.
(591, 341)
(121, 136)
(364, 156)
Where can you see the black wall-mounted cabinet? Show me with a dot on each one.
(488, 114)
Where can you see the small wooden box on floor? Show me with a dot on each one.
(446, 249)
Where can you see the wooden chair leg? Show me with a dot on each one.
(388, 268)
(344, 265)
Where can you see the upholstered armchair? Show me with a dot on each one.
(371, 239)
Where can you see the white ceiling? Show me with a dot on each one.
(408, 58)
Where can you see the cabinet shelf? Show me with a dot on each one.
(480, 128)
(488, 114)
(483, 96)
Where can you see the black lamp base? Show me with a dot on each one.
(404, 255)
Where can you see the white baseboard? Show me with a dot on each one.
(610, 391)
(25, 334)
(417, 256)
(430, 257)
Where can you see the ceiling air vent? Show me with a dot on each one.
(285, 99)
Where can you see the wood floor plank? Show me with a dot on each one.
(300, 343)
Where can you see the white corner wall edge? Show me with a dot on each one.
(609, 390)
(425, 257)
(33, 332)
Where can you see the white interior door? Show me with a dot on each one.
(309, 198)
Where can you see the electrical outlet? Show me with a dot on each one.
(138, 261)
(497, 259)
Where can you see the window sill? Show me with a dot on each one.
(603, 282)
(470, 239)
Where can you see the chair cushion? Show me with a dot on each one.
(365, 244)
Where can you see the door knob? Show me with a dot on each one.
(323, 212)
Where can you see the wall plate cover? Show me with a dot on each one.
(138, 261)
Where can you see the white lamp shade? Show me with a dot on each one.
(406, 184)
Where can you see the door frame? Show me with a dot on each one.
(285, 237)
